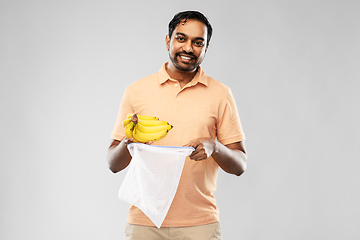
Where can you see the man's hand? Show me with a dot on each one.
(204, 148)
(128, 140)
(231, 157)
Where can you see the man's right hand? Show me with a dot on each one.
(118, 156)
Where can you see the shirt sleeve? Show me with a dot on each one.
(118, 132)
(229, 128)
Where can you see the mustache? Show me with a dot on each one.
(190, 54)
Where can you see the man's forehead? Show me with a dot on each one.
(184, 22)
(191, 27)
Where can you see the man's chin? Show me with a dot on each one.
(186, 69)
(183, 67)
(189, 68)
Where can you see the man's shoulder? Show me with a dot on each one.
(217, 85)
(145, 81)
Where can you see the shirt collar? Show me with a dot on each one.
(200, 76)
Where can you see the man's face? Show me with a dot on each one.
(187, 45)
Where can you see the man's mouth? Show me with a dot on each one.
(185, 58)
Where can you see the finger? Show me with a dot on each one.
(198, 157)
(189, 144)
(128, 140)
(197, 148)
(198, 154)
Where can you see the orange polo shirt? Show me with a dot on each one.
(203, 108)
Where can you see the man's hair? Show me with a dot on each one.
(193, 15)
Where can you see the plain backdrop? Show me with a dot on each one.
(294, 69)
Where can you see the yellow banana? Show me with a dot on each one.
(145, 128)
(145, 122)
(126, 122)
(143, 117)
(153, 128)
(146, 137)
(129, 130)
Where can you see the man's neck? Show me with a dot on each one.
(182, 77)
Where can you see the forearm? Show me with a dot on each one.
(231, 158)
(118, 156)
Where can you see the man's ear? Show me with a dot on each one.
(167, 41)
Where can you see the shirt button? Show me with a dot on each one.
(176, 85)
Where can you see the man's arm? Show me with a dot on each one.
(231, 157)
(118, 155)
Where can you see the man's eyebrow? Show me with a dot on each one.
(200, 38)
(184, 35)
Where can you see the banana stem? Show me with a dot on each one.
(134, 118)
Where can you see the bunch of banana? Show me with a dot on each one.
(145, 128)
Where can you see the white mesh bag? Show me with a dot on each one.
(152, 178)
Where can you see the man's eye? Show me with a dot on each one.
(199, 44)
(180, 39)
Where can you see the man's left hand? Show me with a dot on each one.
(204, 147)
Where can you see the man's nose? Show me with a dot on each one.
(187, 47)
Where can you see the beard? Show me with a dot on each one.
(184, 67)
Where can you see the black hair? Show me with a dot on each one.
(193, 15)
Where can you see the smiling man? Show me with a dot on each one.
(187, 47)
(205, 117)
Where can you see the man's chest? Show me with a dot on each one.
(193, 112)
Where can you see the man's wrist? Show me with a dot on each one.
(216, 146)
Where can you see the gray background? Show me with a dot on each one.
(294, 70)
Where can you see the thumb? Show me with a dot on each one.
(189, 144)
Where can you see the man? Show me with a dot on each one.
(204, 115)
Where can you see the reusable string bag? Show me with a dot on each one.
(152, 178)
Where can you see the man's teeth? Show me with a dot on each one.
(186, 58)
